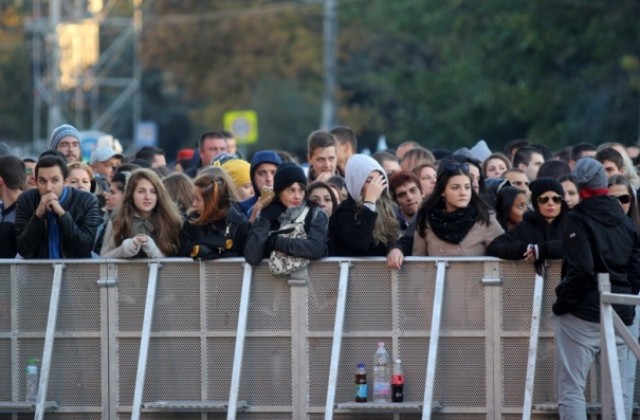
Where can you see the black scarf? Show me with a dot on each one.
(452, 227)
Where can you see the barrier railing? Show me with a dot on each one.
(610, 326)
(222, 338)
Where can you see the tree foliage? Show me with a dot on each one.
(445, 73)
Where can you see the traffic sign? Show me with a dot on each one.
(243, 124)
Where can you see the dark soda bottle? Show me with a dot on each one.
(397, 382)
(361, 383)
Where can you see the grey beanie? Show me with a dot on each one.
(590, 173)
(358, 169)
(65, 130)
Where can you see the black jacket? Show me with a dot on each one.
(7, 231)
(263, 237)
(532, 230)
(220, 240)
(78, 225)
(351, 232)
(598, 238)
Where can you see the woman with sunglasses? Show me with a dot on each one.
(539, 235)
(620, 188)
(216, 227)
(454, 221)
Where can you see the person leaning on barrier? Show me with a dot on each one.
(216, 228)
(598, 238)
(538, 236)
(147, 224)
(54, 220)
(287, 204)
(454, 221)
(365, 223)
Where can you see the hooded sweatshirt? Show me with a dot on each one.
(598, 238)
(260, 157)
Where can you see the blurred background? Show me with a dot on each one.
(443, 73)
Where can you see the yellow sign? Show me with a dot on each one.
(243, 124)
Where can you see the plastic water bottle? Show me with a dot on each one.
(397, 382)
(31, 381)
(361, 383)
(381, 375)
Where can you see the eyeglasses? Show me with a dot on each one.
(624, 199)
(456, 166)
(545, 198)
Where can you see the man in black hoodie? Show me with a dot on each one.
(597, 238)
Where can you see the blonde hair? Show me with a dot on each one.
(80, 165)
(386, 229)
(165, 218)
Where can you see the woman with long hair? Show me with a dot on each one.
(113, 199)
(214, 229)
(539, 236)
(620, 187)
(323, 196)
(148, 223)
(180, 189)
(288, 204)
(571, 194)
(365, 223)
(511, 205)
(454, 221)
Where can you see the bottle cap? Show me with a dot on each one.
(361, 365)
(381, 344)
(398, 361)
(32, 361)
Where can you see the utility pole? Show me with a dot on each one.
(330, 28)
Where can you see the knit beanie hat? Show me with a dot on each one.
(541, 186)
(238, 170)
(287, 174)
(61, 132)
(590, 174)
(358, 169)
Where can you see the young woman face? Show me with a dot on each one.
(322, 197)
(549, 205)
(113, 197)
(427, 181)
(518, 209)
(145, 197)
(457, 193)
(495, 168)
(622, 194)
(79, 178)
(571, 196)
(293, 195)
(475, 178)
(198, 200)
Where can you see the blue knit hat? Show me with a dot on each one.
(65, 130)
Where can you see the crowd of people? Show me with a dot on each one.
(526, 203)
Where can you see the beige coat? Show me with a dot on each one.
(473, 245)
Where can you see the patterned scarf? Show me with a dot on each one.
(452, 227)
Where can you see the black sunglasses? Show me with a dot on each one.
(456, 166)
(544, 199)
(624, 199)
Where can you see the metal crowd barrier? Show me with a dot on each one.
(173, 338)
